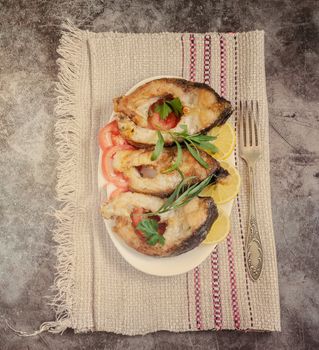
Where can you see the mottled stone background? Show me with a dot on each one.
(29, 34)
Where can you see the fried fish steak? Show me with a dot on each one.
(185, 227)
(203, 109)
(149, 177)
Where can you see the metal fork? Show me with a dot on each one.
(250, 150)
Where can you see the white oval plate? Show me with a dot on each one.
(168, 266)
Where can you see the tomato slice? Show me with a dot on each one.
(104, 137)
(113, 127)
(136, 217)
(108, 172)
(161, 225)
(117, 140)
(116, 192)
(110, 136)
(157, 123)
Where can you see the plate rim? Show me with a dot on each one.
(125, 251)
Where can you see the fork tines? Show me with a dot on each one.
(249, 116)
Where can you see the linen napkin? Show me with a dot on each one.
(96, 290)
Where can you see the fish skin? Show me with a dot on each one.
(206, 109)
(162, 185)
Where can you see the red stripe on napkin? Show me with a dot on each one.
(230, 252)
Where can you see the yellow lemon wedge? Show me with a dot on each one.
(225, 189)
(225, 141)
(219, 229)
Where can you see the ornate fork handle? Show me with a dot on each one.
(254, 250)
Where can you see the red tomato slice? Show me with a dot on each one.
(140, 233)
(113, 127)
(107, 135)
(117, 140)
(116, 192)
(161, 225)
(107, 167)
(104, 137)
(136, 217)
(155, 121)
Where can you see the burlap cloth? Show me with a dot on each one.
(96, 290)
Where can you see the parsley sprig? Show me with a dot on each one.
(182, 195)
(150, 229)
(168, 106)
(192, 142)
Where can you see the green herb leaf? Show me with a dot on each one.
(152, 240)
(150, 229)
(207, 146)
(184, 127)
(178, 161)
(148, 226)
(194, 141)
(183, 133)
(161, 240)
(195, 153)
(158, 147)
(164, 110)
(202, 138)
(204, 142)
(181, 173)
(176, 105)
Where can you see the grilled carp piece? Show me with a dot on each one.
(203, 109)
(186, 227)
(146, 176)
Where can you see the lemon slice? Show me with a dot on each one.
(219, 229)
(225, 189)
(225, 141)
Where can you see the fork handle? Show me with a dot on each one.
(254, 249)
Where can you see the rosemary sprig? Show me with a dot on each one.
(150, 229)
(182, 195)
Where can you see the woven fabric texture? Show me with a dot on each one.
(96, 289)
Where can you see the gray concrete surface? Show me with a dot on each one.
(29, 33)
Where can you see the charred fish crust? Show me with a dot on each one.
(219, 173)
(187, 85)
(201, 232)
(222, 119)
(224, 116)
